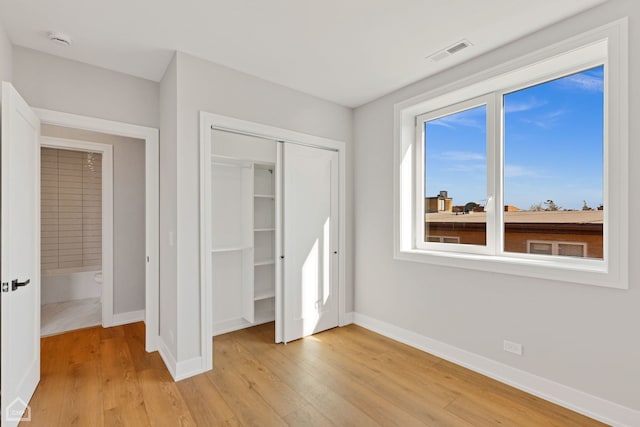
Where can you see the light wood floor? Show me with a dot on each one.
(343, 377)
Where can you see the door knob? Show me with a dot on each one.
(15, 284)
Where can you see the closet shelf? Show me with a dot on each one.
(264, 262)
(263, 229)
(230, 249)
(264, 196)
(219, 160)
(266, 294)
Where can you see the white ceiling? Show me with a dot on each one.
(346, 51)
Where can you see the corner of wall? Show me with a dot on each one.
(168, 217)
(6, 56)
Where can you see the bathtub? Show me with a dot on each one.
(59, 287)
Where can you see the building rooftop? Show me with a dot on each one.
(523, 217)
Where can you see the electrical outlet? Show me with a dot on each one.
(513, 347)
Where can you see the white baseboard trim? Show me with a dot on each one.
(179, 370)
(348, 318)
(188, 368)
(576, 400)
(231, 325)
(167, 357)
(128, 317)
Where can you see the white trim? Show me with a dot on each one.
(152, 197)
(182, 370)
(128, 317)
(107, 213)
(209, 121)
(573, 399)
(188, 368)
(348, 318)
(167, 356)
(608, 44)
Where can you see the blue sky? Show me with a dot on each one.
(553, 146)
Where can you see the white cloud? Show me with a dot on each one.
(512, 107)
(512, 171)
(548, 120)
(591, 83)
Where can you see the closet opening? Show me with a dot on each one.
(271, 234)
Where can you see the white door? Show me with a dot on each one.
(310, 240)
(20, 255)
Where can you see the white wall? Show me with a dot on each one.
(168, 207)
(6, 56)
(129, 250)
(209, 87)
(585, 337)
(59, 84)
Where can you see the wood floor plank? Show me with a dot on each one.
(119, 377)
(307, 416)
(403, 392)
(343, 377)
(83, 404)
(205, 403)
(250, 408)
(164, 403)
(327, 401)
(277, 394)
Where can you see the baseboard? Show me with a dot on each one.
(128, 317)
(576, 400)
(348, 318)
(188, 368)
(167, 357)
(179, 370)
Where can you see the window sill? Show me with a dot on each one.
(581, 271)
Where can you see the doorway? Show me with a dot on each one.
(121, 231)
(82, 125)
(74, 238)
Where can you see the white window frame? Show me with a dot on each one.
(488, 101)
(606, 45)
(555, 246)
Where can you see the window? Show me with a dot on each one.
(525, 165)
(543, 247)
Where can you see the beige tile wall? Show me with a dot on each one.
(71, 205)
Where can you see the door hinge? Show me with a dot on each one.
(5, 287)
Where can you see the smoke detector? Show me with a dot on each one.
(60, 38)
(451, 50)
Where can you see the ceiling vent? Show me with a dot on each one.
(60, 38)
(453, 49)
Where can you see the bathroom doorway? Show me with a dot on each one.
(100, 236)
(71, 202)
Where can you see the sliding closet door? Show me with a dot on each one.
(310, 240)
